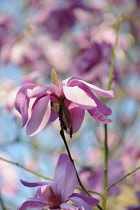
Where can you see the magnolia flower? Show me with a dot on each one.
(57, 194)
(67, 100)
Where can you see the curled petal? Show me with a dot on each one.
(77, 95)
(40, 116)
(98, 116)
(98, 91)
(38, 91)
(70, 79)
(20, 97)
(22, 102)
(33, 184)
(100, 106)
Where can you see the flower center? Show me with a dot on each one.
(54, 199)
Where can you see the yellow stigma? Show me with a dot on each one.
(54, 76)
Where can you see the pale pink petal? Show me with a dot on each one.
(21, 95)
(77, 95)
(98, 91)
(98, 116)
(38, 91)
(40, 116)
(100, 106)
(32, 204)
(77, 115)
(89, 200)
(81, 203)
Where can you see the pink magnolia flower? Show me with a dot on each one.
(55, 195)
(67, 100)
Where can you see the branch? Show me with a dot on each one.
(33, 172)
(123, 178)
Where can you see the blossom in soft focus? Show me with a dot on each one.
(93, 179)
(55, 195)
(67, 99)
(93, 63)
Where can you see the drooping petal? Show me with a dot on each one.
(77, 115)
(22, 102)
(65, 177)
(77, 95)
(33, 184)
(98, 116)
(81, 203)
(32, 204)
(89, 200)
(100, 106)
(21, 95)
(98, 91)
(38, 91)
(40, 116)
(67, 206)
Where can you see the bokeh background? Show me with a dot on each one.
(76, 37)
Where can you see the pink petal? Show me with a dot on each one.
(33, 184)
(21, 95)
(53, 116)
(65, 177)
(70, 79)
(77, 115)
(100, 106)
(24, 112)
(32, 204)
(98, 91)
(70, 181)
(38, 91)
(77, 95)
(81, 203)
(89, 200)
(98, 116)
(40, 116)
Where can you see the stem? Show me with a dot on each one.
(37, 174)
(33, 172)
(106, 155)
(128, 174)
(111, 77)
(68, 151)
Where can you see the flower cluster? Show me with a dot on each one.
(67, 100)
